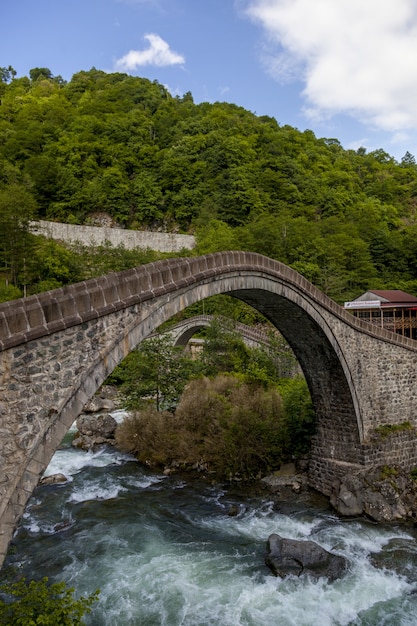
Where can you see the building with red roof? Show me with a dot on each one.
(391, 309)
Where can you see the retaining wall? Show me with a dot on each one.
(130, 239)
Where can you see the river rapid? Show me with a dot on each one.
(165, 551)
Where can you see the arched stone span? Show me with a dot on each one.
(183, 331)
(59, 347)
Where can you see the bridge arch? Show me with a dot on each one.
(183, 331)
(57, 348)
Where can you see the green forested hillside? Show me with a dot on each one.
(124, 146)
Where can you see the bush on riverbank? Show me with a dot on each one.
(222, 425)
(37, 602)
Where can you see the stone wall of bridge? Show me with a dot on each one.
(57, 348)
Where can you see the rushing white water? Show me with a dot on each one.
(165, 552)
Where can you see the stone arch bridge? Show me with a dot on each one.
(57, 348)
(183, 331)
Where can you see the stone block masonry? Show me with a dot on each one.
(58, 347)
(97, 236)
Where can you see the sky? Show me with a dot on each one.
(345, 69)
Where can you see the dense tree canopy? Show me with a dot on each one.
(123, 145)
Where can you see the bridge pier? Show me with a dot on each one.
(398, 449)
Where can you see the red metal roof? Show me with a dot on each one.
(395, 296)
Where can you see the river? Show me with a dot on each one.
(165, 552)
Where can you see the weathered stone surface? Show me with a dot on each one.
(99, 404)
(286, 478)
(54, 479)
(94, 430)
(385, 494)
(103, 425)
(105, 231)
(347, 497)
(287, 557)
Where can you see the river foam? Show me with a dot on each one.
(166, 552)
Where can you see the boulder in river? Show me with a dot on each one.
(94, 430)
(385, 494)
(295, 557)
(53, 479)
(98, 403)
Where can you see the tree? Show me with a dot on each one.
(408, 160)
(221, 425)
(216, 236)
(155, 373)
(38, 602)
(238, 429)
(299, 414)
(37, 73)
(223, 349)
(17, 208)
(7, 74)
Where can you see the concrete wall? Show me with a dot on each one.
(130, 239)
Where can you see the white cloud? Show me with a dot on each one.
(353, 56)
(158, 53)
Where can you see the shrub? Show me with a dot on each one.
(231, 428)
(38, 604)
(154, 437)
(388, 472)
(9, 292)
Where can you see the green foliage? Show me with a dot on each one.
(17, 207)
(51, 265)
(388, 472)
(299, 414)
(232, 421)
(221, 425)
(276, 357)
(216, 236)
(124, 146)
(37, 603)
(223, 348)
(7, 73)
(156, 438)
(223, 306)
(103, 259)
(38, 73)
(9, 292)
(154, 374)
(385, 430)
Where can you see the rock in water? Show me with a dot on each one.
(94, 431)
(383, 493)
(290, 556)
(97, 404)
(53, 479)
(99, 425)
